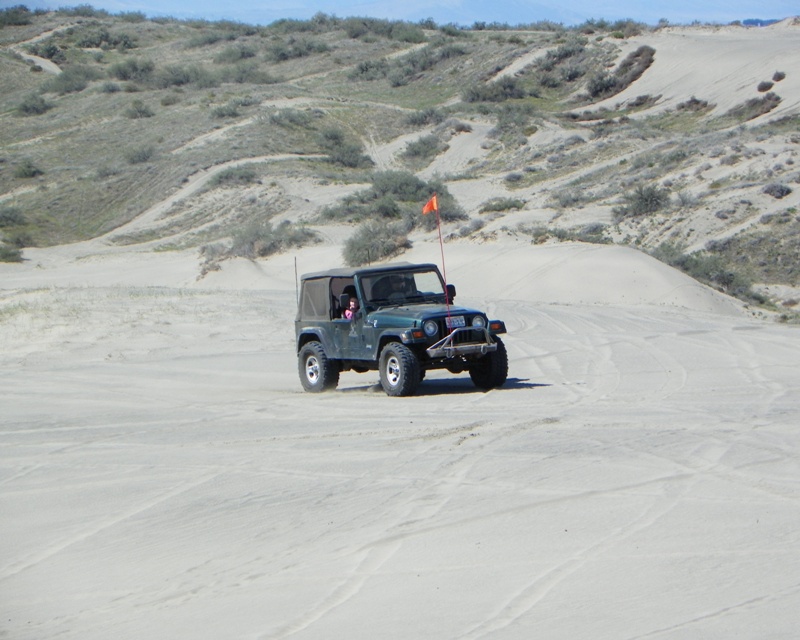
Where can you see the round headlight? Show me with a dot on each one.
(478, 322)
(430, 328)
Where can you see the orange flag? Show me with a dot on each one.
(431, 205)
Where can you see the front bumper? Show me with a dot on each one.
(448, 348)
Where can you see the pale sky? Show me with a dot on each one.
(460, 12)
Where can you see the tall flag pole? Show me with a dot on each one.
(433, 205)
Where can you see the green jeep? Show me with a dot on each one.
(405, 324)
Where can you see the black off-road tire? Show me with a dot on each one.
(399, 370)
(492, 369)
(317, 372)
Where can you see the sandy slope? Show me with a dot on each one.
(163, 475)
(722, 65)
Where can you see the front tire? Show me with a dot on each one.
(317, 372)
(399, 370)
(492, 369)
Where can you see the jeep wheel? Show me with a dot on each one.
(399, 369)
(492, 369)
(317, 372)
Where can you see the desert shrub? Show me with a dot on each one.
(451, 30)
(241, 175)
(707, 267)
(229, 55)
(295, 48)
(173, 76)
(290, 118)
(225, 111)
(473, 226)
(132, 16)
(693, 104)
(549, 80)
(83, 11)
(572, 73)
(249, 72)
(49, 50)
(138, 109)
(777, 190)
(407, 32)
(643, 101)
(342, 151)
(350, 155)
(755, 107)
(33, 105)
(10, 253)
(630, 69)
(139, 155)
(110, 87)
(502, 204)
(170, 99)
(15, 16)
(401, 185)
(132, 69)
(400, 31)
(568, 197)
(424, 147)
(563, 52)
(628, 27)
(106, 172)
(11, 217)
(72, 80)
(375, 240)
(514, 118)
(204, 78)
(778, 76)
(402, 70)
(396, 194)
(101, 38)
(260, 239)
(592, 233)
(498, 91)
(207, 38)
(644, 200)
(601, 84)
(27, 169)
(370, 70)
(178, 75)
(765, 86)
(686, 199)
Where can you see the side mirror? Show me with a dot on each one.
(451, 292)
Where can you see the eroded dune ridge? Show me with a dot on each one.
(162, 473)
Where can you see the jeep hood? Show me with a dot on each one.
(409, 315)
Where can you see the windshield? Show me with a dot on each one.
(403, 287)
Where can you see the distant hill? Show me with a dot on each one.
(244, 140)
(755, 22)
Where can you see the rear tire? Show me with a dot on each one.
(399, 370)
(492, 369)
(317, 372)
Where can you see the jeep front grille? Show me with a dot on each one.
(465, 335)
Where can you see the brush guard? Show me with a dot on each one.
(446, 348)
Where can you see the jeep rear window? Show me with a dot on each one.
(314, 304)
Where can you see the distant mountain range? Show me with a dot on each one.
(756, 22)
